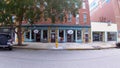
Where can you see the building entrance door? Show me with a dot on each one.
(69, 38)
(86, 38)
(53, 36)
(38, 37)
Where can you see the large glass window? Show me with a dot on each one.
(61, 35)
(33, 34)
(79, 35)
(111, 36)
(98, 36)
(45, 36)
(27, 35)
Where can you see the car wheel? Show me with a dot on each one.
(10, 48)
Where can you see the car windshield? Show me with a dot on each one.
(4, 36)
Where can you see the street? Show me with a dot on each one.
(23, 58)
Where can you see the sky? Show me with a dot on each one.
(90, 1)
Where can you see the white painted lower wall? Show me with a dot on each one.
(103, 27)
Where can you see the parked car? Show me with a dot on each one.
(6, 41)
(118, 44)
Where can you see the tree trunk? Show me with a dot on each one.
(19, 35)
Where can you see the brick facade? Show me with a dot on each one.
(106, 11)
(73, 22)
(76, 29)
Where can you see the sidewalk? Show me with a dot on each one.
(67, 46)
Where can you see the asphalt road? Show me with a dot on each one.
(21, 58)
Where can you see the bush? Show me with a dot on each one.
(118, 45)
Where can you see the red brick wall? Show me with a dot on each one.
(116, 6)
(87, 12)
(110, 11)
(104, 13)
(81, 11)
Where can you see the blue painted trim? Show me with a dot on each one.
(55, 25)
(79, 41)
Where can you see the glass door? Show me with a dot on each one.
(38, 37)
(53, 36)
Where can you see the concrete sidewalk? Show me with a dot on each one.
(67, 46)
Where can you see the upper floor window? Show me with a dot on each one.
(84, 17)
(79, 34)
(69, 17)
(77, 18)
(84, 5)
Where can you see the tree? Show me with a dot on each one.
(14, 12)
(57, 9)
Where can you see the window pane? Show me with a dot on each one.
(78, 34)
(33, 34)
(111, 36)
(28, 35)
(85, 17)
(69, 17)
(83, 5)
(77, 19)
(45, 34)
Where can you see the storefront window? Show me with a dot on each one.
(33, 34)
(70, 35)
(28, 35)
(111, 36)
(98, 36)
(61, 35)
(45, 35)
(78, 34)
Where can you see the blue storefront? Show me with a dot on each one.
(53, 33)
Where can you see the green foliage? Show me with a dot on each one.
(33, 10)
(16, 11)
(58, 8)
(22, 9)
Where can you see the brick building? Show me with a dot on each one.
(106, 11)
(74, 29)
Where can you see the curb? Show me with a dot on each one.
(64, 48)
(31, 48)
